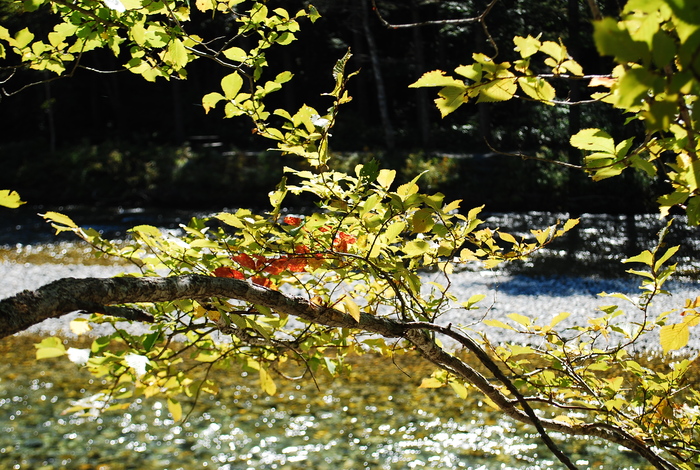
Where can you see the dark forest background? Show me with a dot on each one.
(115, 139)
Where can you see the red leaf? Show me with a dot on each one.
(262, 281)
(347, 238)
(293, 221)
(340, 245)
(277, 266)
(227, 271)
(244, 260)
(297, 265)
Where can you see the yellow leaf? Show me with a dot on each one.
(674, 336)
(352, 309)
(385, 178)
(204, 5)
(10, 199)
(431, 382)
(436, 78)
(231, 84)
(50, 347)
(558, 318)
(615, 383)
(175, 409)
(459, 389)
(57, 218)
(537, 88)
(497, 323)
(522, 319)
(266, 382)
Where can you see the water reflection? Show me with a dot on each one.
(375, 418)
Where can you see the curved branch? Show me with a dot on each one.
(60, 297)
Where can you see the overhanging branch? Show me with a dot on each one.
(60, 297)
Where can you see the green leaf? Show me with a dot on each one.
(393, 231)
(473, 300)
(633, 86)
(416, 248)
(313, 14)
(210, 100)
(22, 39)
(146, 230)
(472, 72)
(612, 39)
(422, 221)
(10, 199)
(670, 252)
(50, 347)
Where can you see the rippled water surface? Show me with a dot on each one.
(376, 418)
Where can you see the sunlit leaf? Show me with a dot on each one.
(175, 409)
(266, 382)
(10, 199)
(431, 382)
(559, 318)
(459, 389)
(50, 347)
(352, 308)
(593, 139)
(80, 326)
(674, 336)
(436, 78)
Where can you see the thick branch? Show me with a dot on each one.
(60, 297)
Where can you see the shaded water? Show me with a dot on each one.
(376, 417)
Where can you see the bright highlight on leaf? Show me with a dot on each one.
(50, 347)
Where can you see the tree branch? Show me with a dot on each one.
(60, 297)
(456, 21)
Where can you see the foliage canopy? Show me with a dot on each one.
(292, 295)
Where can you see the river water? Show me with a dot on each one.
(375, 417)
